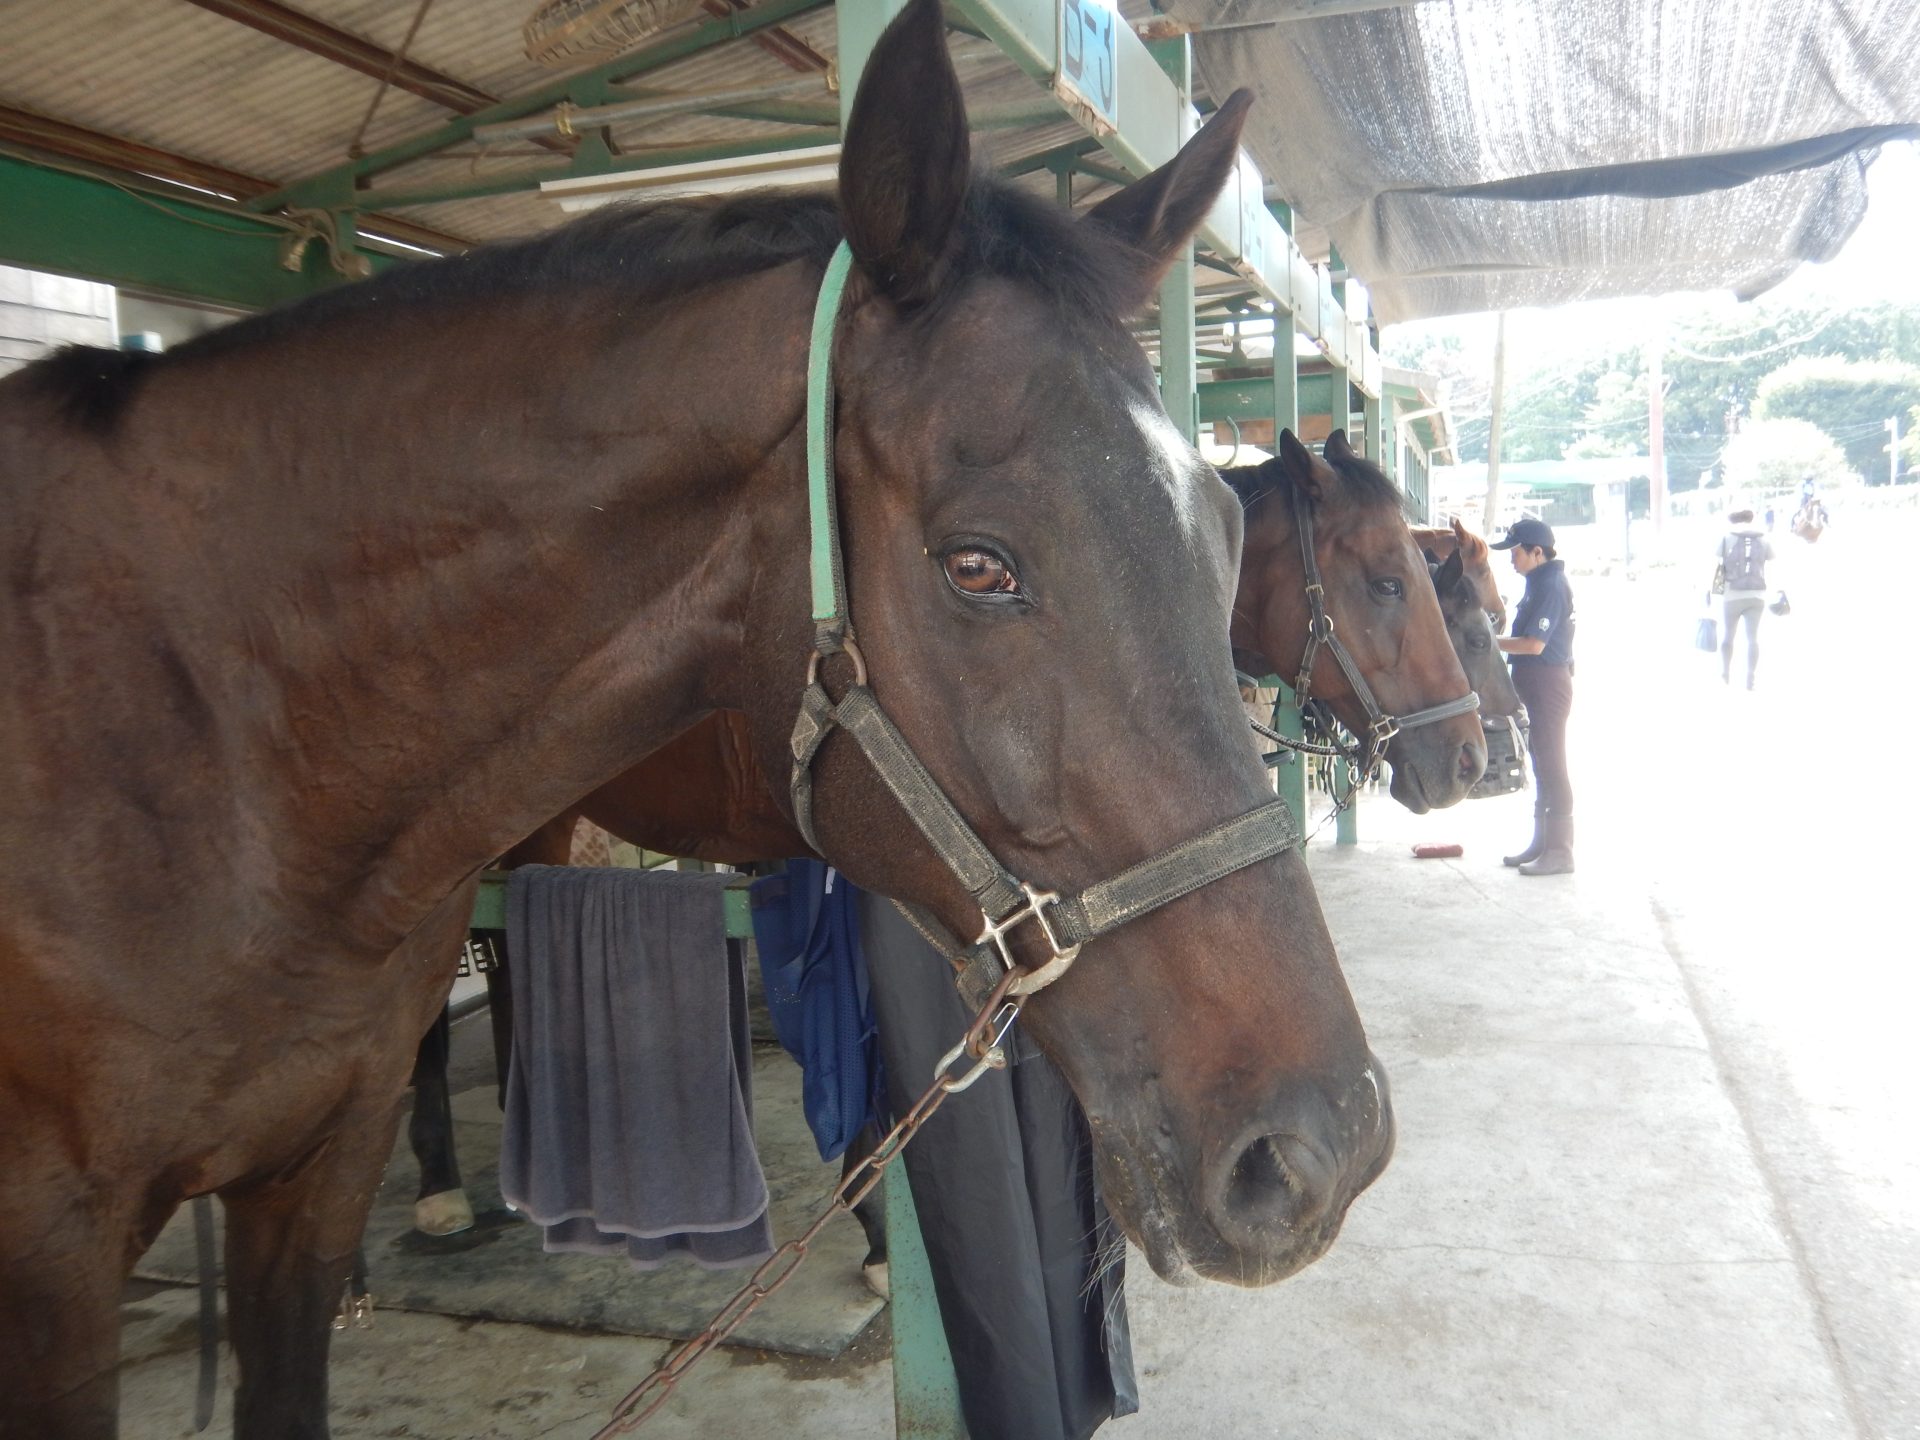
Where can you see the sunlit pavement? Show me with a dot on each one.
(1659, 1168)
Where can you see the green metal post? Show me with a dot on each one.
(1340, 399)
(1286, 379)
(1291, 772)
(1179, 361)
(1346, 827)
(926, 1397)
(1286, 374)
(1179, 366)
(1372, 416)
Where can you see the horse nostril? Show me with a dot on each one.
(1473, 762)
(1278, 1180)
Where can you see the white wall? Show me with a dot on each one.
(39, 312)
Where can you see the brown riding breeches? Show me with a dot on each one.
(1547, 692)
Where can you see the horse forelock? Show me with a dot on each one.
(1363, 484)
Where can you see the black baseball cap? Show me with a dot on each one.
(1528, 532)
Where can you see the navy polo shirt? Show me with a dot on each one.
(1546, 613)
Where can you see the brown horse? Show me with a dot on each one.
(1471, 604)
(1476, 560)
(309, 619)
(704, 796)
(1379, 596)
(1471, 631)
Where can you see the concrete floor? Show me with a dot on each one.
(1658, 1172)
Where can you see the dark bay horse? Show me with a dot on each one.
(309, 619)
(704, 796)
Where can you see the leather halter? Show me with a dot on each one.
(1381, 727)
(1006, 902)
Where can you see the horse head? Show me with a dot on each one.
(1378, 599)
(1477, 564)
(1040, 569)
(1471, 632)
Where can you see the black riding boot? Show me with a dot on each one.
(1535, 847)
(1557, 858)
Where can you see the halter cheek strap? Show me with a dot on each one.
(1006, 902)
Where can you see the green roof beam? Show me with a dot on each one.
(398, 196)
(1253, 399)
(72, 224)
(338, 186)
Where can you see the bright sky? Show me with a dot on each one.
(1877, 263)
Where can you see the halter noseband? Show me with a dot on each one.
(1006, 902)
(1381, 727)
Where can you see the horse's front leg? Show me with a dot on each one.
(291, 1235)
(66, 1244)
(290, 1247)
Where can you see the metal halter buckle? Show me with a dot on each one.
(1035, 909)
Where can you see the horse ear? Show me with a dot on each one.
(1337, 450)
(1474, 547)
(1448, 575)
(1307, 474)
(1158, 215)
(905, 162)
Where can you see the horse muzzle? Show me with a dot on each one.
(1270, 1200)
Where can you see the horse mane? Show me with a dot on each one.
(644, 252)
(1362, 480)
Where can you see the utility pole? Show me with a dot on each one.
(1893, 450)
(1656, 427)
(1492, 510)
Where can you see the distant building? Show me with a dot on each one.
(1560, 492)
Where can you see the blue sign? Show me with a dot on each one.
(1090, 60)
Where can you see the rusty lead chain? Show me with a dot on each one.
(983, 1044)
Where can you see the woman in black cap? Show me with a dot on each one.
(1542, 649)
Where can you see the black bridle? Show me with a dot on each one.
(1381, 727)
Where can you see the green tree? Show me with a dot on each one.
(1615, 423)
(1849, 399)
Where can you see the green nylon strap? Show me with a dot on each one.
(829, 590)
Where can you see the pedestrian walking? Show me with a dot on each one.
(1741, 559)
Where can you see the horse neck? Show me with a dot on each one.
(516, 577)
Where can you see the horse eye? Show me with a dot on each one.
(1388, 589)
(973, 571)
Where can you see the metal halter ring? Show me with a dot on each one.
(848, 648)
(995, 931)
(992, 1054)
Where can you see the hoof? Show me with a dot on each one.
(876, 1277)
(447, 1213)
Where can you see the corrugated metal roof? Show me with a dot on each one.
(171, 75)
